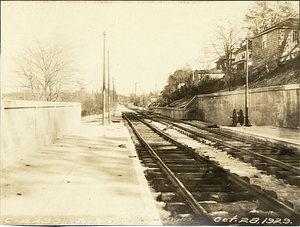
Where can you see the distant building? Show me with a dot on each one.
(180, 85)
(225, 64)
(222, 63)
(200, 75)
(239, 63)
(266, 51)
(276, 44)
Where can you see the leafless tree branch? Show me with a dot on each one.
(46, 69)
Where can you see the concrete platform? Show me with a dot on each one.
(90, 176)
(275, 136)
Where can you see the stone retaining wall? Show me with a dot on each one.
(28, 125)
(274, 106)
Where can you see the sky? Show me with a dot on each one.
(146, 41)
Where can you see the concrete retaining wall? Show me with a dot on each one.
(274, 106)
(177, 113)
(28, 125)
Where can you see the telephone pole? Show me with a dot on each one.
(113, 81)
(135, 88)
(108, 102)
(247, 122)
(135, 98)
(103, 90)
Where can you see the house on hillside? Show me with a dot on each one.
(239, 63)
(234, 69)
(181, 85)
(224, 64)
(277, 44)
(200, 75)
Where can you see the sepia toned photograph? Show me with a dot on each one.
(150, 113)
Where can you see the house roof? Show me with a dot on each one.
(243, 48)
(223, 58)
(289, 23)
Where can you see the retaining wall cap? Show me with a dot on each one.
(254, 90)
(21, 103)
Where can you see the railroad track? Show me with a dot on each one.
(278, 161)
(192, 184)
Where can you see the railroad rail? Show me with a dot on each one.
(191, 183)
(278, 161)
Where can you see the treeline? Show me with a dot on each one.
(91, 103)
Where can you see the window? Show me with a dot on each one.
(264, 41)
(296, 37)
(243, 55)
(240, 67)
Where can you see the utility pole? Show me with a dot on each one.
(135, 98)
(169, 95)
(113, 81)
(109, 117)
(144, 100)
(247, 122)
(103, 90)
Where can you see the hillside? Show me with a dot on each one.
(283, 78)
(284, 75)
(289, 73)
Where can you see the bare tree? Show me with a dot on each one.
(46, 69)
(223, 42)
(262, 15)
(207, 58)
